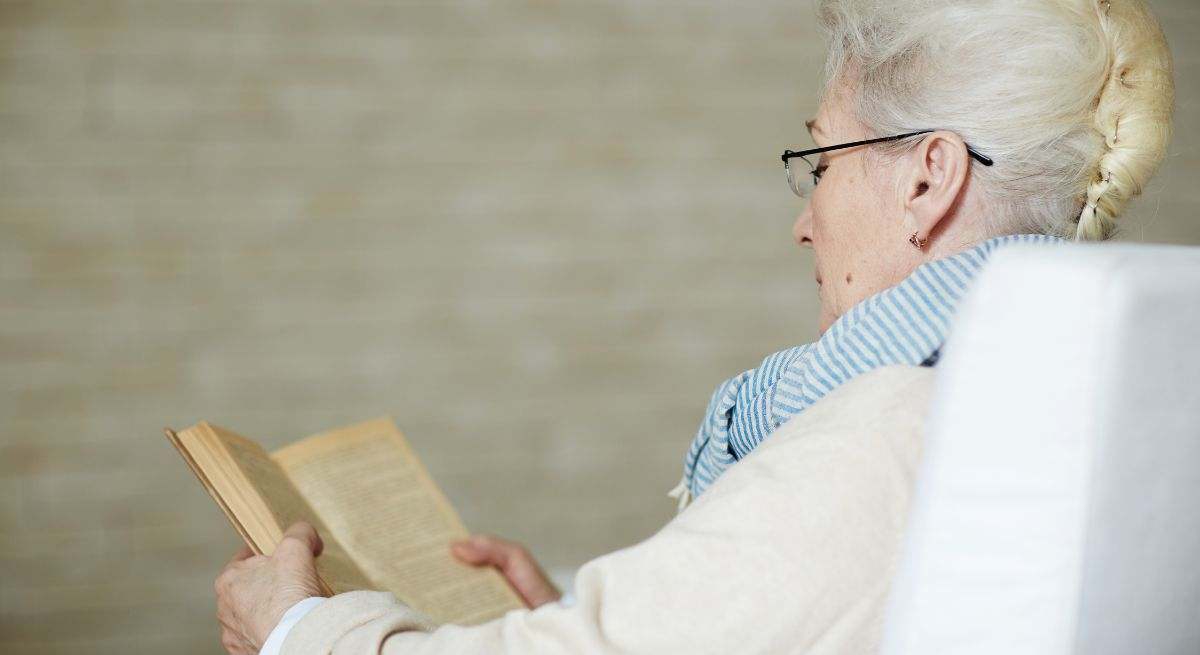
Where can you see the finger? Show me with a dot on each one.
(235, 645)
(302, 535)
(528, 579)
(524, 574)
(229, 640)
(513, 561)
(518, 566)
(484, 549)
(468, 554)
(243, 553)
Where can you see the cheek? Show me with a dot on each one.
(846, 234)
(840, 223)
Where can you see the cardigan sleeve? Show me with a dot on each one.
(791, 550)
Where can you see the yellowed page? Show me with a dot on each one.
(193, 442)
(258, 495)
(372, 491)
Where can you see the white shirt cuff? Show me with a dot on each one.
(290, 618)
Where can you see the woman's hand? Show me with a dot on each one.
(254, 591)
(514, 562)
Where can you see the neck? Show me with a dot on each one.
(964, 228)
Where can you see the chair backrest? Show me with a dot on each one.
(1057, 508)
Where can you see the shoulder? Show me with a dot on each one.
(818, 510)
(887, 396)
(866, 433)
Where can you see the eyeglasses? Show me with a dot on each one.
(802, 183)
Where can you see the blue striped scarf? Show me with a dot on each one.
(905, 324)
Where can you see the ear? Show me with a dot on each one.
(936, 179)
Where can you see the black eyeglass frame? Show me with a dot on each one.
(788, 154)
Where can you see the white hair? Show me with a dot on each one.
(1072, 99)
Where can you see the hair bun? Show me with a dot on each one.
(1133, 114)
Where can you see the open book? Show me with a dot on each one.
(385, 524)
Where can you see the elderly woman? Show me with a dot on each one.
(947, 129)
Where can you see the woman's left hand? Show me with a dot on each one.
(254, 591)
(514, 562)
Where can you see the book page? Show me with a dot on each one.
(194, 443)
(264, 501)
(372, 491)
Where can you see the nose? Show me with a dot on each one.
(802, 228)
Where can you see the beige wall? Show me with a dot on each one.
(536, 233)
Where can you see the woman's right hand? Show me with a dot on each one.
(514, 562)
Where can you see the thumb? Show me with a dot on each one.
(301, 537)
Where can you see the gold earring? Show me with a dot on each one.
(917, 242)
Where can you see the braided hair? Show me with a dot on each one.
(1133, 114)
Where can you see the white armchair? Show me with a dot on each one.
(1057, 508)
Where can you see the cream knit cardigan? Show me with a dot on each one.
(791, 551)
